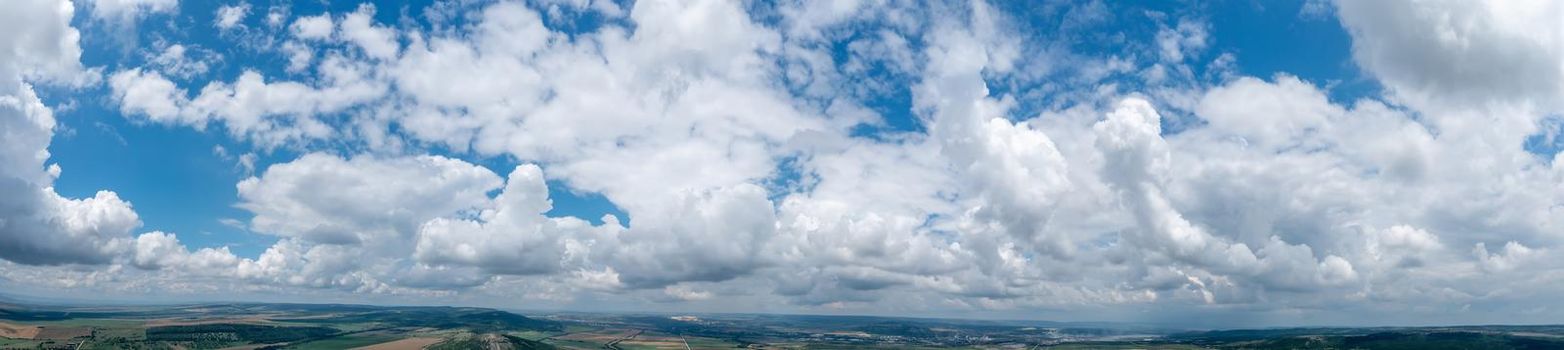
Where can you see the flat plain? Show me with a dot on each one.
(305, 326)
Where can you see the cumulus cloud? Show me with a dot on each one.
(1464, 52)
(147, 93)
(512, 237)
(130, 10)
(1136, 161)
(1483, 73)
(37, 225)
(686, 293)
(231, 16)
(360, 29)
(180, 61)
(158, 250)
(729, 225)
(43, 44)
(317, 27)
(1509, 258)
(1181, 41)
(326, 199)
(387, 224)
(269, 113)
(1266, 115)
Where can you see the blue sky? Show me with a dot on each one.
(1245, 162)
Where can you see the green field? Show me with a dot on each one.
(129, 333)
(579, 328)
(92, 322)
(347, 342)
(709, 343)
(573, 344)
(18, 343)
(354, 327)
(532, 335)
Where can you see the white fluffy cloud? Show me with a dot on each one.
(231, 16)
(318, 27)
(42, 43)
(130, 10)
(159, 250)
(1137, 162)
(512, 237)
(37, 225)
(1461, 52)
(184, 62)
(325, 199)
(269, 113)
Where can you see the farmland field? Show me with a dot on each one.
(347, 342)
(249, 326)
(62, 332)
(404, 344)
(299, 326)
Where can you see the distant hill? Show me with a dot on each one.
(268, 326)
(476, 319)
(1457, 337)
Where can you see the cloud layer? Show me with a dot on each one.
(753, 151)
